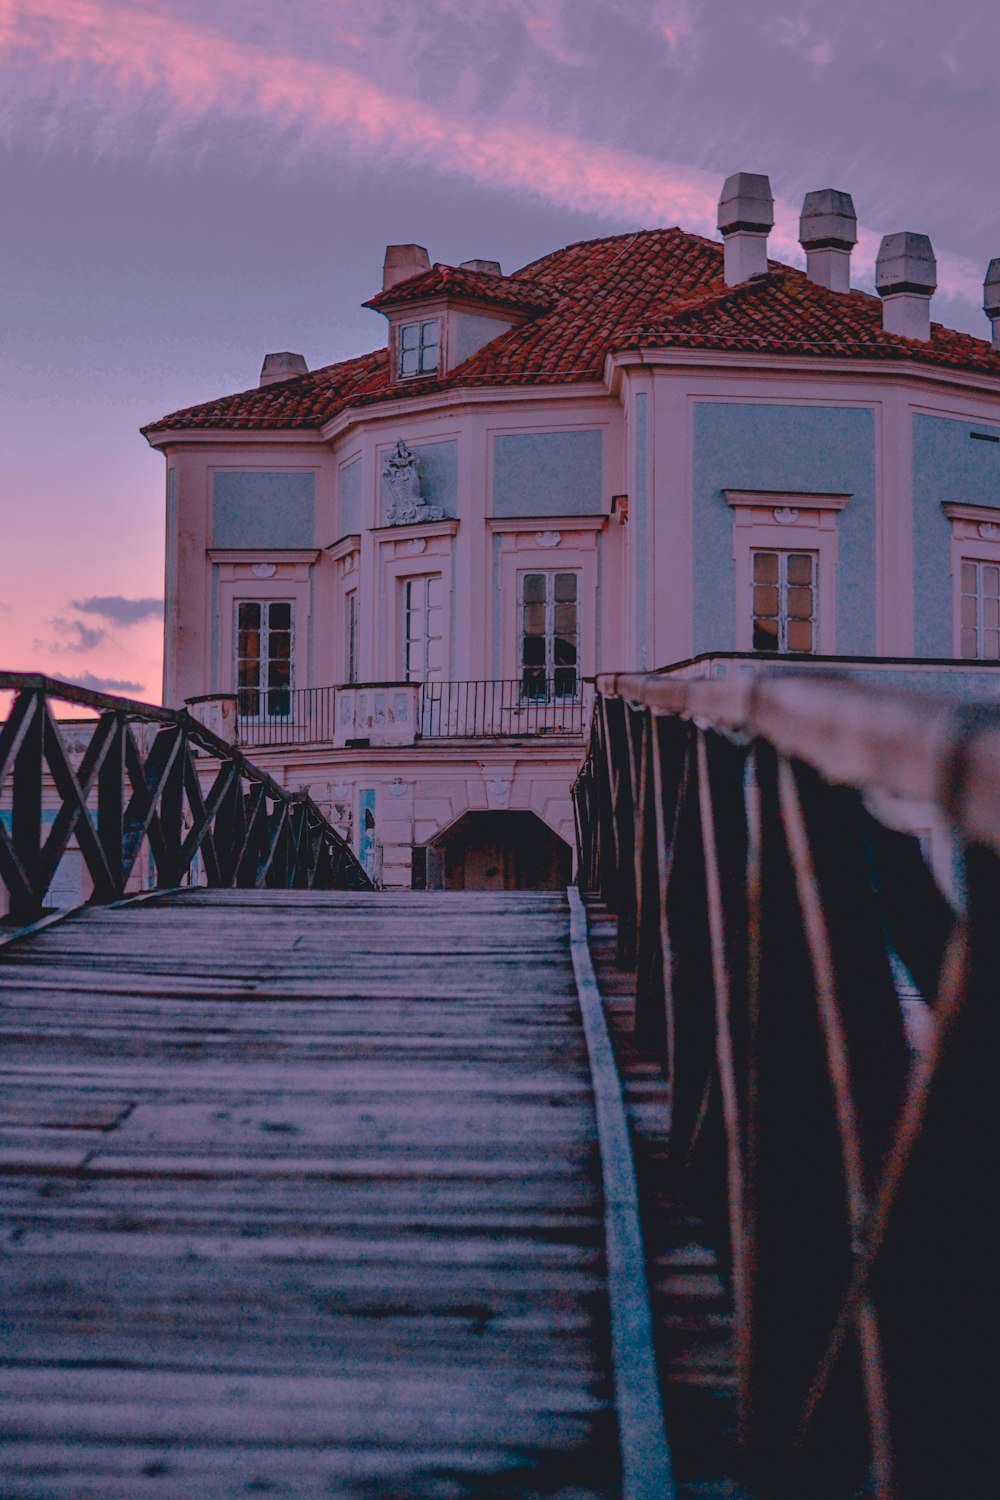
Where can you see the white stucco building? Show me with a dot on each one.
(634, 451)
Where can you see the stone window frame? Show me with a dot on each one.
(265, 575)
(780, 521)
(559, 543)
(975, 538)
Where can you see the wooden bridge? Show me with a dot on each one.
(303, 1196)
(312, 1190)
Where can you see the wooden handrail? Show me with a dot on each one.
(913, 745)
(822, 997)
(122, 795)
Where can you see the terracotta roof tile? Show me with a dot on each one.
(472, 286)
(655, 289)
(785, 313)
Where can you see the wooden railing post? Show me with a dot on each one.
(26, 812)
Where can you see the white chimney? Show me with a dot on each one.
(991, 299)
(828, 232)
(746, 217)
(401, 262)
(491, 267)
(282, 367)
(905, 279)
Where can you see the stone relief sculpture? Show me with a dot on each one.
(407, 504)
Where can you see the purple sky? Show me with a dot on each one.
(188, 184)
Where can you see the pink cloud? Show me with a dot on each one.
(117, 56)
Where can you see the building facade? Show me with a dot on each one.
(631, 452)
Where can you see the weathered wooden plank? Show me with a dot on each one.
(302, 1197)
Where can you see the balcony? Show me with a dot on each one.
(405, 713)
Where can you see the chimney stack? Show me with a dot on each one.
(401, 262)
(828, 232)
(905, 279)
(991, 299)
(282, 367)
(746, 217)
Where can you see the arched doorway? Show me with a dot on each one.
(498, 851)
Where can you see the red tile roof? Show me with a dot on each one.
(464, 285)
(655, 289)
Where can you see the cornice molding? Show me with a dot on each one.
(958, 511)
(184, 437)
(267, 554)
(501, 524)
(778, 499)
(617, 364)
(353, 417)
(344, 546)
(406, 531)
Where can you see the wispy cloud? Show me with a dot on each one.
(109, 684)
(797, 34)
(113, 62)
(76, 636)
(118, 609)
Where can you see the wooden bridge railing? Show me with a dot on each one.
(134, 783)
(787, 936)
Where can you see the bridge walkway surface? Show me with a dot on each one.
(302, 1196)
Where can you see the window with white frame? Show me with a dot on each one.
(784, 602)
(418, 348)
(423, 603)
(785, 556)
(264, 631)
(980, 610)
(549, 606)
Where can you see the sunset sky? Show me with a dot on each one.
(188, 184)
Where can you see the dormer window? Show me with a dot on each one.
(419, 348)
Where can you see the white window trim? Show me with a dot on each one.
(975, 537)
(520, 552)
(237, 580)
(265, 601)
(404, 582)
(782, 618)
(550, 570)
(403, 552)
(419, 323)
(771, 521)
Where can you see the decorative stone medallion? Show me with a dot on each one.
(547, 538)
(264, 570)
(785, 515)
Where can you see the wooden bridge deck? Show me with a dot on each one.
(301, 1197)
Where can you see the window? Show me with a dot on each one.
(980, 610)
(550, 631)
(352, 636)
(419, 348)
(264, 658)
(784, 601)
(423, 628)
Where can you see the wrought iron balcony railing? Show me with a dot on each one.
(523, 706)
(487, 709)
(130, 787)
(802, 868)
(286, 716)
